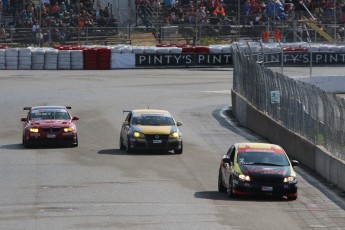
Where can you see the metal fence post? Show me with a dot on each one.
(281, 57)
(311, 60)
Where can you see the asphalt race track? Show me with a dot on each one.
(98, 186)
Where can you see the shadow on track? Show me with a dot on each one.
(12, 146)
(121, 152)
(21, 146)
(215, 195)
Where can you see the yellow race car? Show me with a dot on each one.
(150, 129)
(257, 168)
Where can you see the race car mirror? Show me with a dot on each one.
(294, 163)
(23, 119)
(226, 160)
(178, 123)
(75, 118)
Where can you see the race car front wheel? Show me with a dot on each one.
(122, 146)
(128, 147)
(180, 150)
(75, 143)
(221, 187)
(292, 197)
(230, 189)
(25, 143)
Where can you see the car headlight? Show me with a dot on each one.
(174, 135)
(290, 179)
(68, 129)
(244, 177)
(138, 135)
(33, 130)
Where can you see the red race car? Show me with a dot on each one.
(49, 125)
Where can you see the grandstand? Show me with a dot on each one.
(169, 21)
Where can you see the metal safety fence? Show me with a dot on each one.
(48, 36)
(299, 106)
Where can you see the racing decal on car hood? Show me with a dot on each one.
(154, 129)
(264, 170)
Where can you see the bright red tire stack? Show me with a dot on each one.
(90, 59)
(202, 49)
(188, 49)
(104, 55)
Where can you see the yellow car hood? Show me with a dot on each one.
(155, 129)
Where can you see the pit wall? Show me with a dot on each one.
(166, 55)
(314, 157)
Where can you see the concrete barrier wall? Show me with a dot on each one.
(330, 168)
(314, 157)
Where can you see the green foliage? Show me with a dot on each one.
(205, 41)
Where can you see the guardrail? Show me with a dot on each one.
(307, 121)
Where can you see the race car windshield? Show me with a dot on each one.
(153, 120)
(49, 114)
(262, 158)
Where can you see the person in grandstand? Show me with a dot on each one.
(275, 10)
(201, 15)
(219, 11)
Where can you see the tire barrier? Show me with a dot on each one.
(90, 59)
(103, 58)
(11, 56)
(24, 61)
(167, 55)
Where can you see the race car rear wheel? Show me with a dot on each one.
(221, 187)
(179, 151)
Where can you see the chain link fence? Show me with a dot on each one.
(299, 106)
(192, 34)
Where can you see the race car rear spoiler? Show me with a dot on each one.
(29, 108)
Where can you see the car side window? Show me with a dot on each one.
(128, 118)
(232, 154)
(229, 151)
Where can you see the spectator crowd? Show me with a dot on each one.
(249, 12)
(59, 14)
